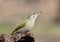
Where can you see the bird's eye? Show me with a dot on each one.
(33, 13)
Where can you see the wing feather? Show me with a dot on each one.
(19, 27)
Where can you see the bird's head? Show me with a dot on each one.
(33, 16)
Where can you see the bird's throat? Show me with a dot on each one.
(30, 24)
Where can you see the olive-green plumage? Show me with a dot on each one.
(20, 26)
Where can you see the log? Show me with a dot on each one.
(17, 37)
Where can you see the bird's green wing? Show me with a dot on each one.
(19, 27)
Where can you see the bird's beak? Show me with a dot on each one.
(38, 13)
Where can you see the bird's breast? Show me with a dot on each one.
(30, 24)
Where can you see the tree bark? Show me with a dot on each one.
(17, 37)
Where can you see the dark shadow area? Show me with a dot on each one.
(27, 39)
(1, 39)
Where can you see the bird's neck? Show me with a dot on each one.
(33, 21)
(30, 23)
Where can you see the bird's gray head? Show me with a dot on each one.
(33, 16)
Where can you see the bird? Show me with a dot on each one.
(27, 25)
